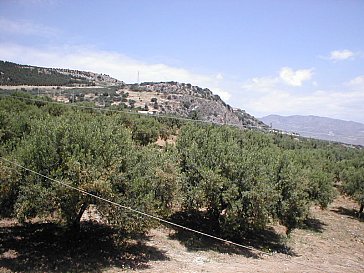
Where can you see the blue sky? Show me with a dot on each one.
(268, 57)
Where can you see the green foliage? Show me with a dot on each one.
(241, 180)
(195, 115)
(293, 204)
(78, 149)
(352, 176)
(151, 179)
(34, 200)
(229, 176)
(245, 181)
(14, 74)
(9, 188)
(15, 121)
(93, 152)
(146, 131)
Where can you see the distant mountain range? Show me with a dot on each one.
(319, 127)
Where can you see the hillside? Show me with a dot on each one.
(188, 101)
(319, 127)
(166, 98)
(12, 74)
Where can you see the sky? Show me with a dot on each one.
(286, 57)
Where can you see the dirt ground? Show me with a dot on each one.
(331, 241)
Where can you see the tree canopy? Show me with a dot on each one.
(241, 180)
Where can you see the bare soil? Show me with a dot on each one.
(332, 240)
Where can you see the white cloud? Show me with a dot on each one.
(287, 77)
(219, 77)
(261, 84)
(357, 82)
(114, 64)
(295, 78)
(339, 55)
(26, 28)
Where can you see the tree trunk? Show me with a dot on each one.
(76, 221)
(361, 210)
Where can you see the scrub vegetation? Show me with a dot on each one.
(239, 180)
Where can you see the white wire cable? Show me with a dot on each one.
(153, 216)
(129, 208)
(156, 217)
(133, 210)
